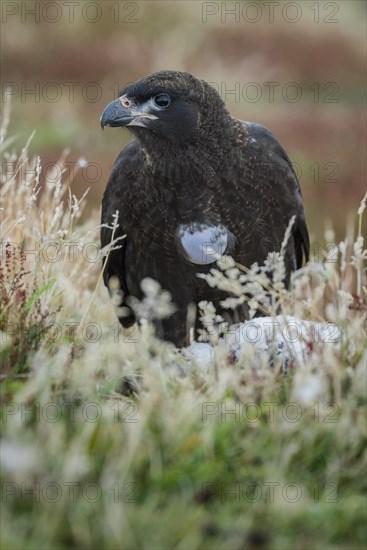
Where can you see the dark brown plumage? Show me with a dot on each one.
(194, 175)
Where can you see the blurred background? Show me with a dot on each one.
(296, 67)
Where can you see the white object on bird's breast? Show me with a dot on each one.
(200, 243)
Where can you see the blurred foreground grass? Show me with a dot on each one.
(110, 440)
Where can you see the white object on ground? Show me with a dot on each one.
(286, 338)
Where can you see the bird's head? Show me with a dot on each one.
(171, 106)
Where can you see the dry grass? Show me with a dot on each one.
(114, 440)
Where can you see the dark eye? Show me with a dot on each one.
(162, 100)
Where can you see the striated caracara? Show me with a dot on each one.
(194, 180)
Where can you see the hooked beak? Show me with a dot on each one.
(115, 114)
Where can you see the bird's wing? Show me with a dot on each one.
(279, 182)
(127, 163)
